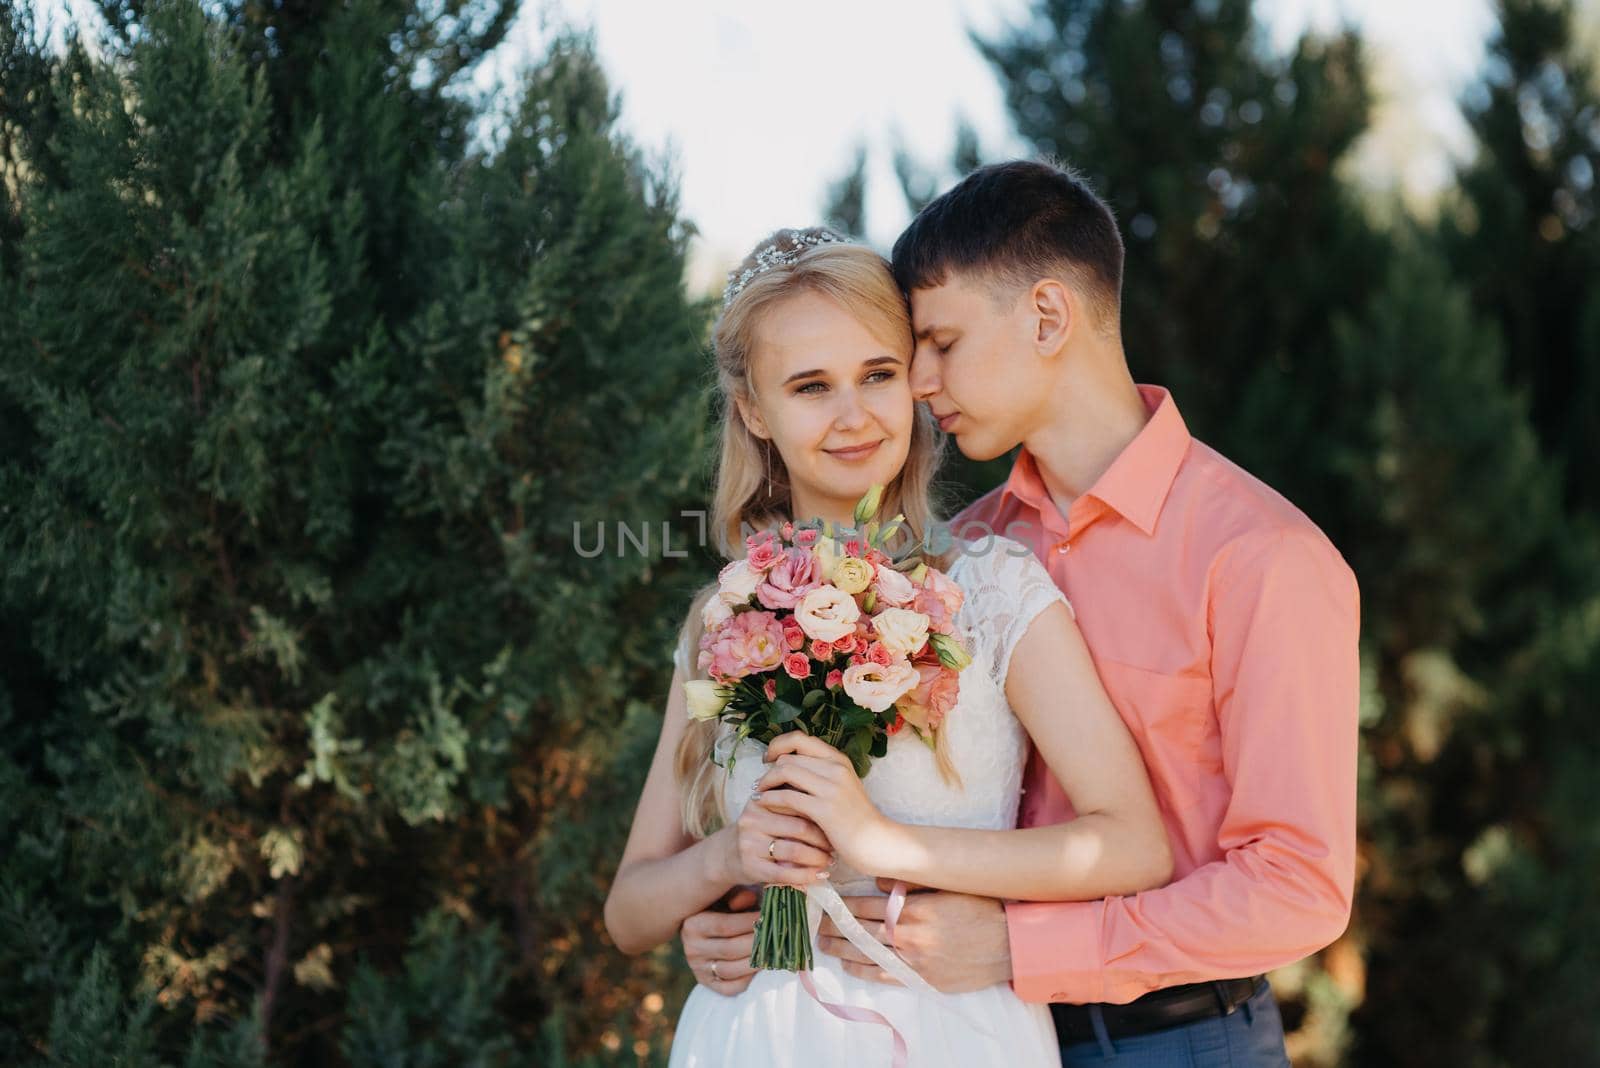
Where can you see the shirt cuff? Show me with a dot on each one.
(1055, 951)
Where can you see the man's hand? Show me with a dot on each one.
(718, 944)
(956, 942)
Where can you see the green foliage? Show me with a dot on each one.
(1523, 228)
(301, 389)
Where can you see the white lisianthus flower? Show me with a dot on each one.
(900, 630)
(706, 699)
(876, 688)
(738, 582)
(827, 614)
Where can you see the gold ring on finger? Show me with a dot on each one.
(772, 850)
(714, 973)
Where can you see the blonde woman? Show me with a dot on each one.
(813, 349)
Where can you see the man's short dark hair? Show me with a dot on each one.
(1016, 223)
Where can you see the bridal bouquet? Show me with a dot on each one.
(826, 632)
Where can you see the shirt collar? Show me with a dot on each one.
(1137, 482)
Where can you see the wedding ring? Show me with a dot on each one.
(714, 973)
(772, 850)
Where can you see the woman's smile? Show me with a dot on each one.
(855, 452)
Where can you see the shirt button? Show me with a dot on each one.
(1064, 547)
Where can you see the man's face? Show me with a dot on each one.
(975, 364)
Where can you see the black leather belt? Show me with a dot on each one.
(1157, 1010)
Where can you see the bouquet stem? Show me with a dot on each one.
(783, 935)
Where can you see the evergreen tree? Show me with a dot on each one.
(1480, 599)
(845, 203)
(302, 388)
(1219, 159)
(1524, 227)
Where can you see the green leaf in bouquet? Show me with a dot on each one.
(784, 711)
(858, 747)
(813, 699)
(880, 743)
(856, 717)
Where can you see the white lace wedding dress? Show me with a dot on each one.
(775, 1021)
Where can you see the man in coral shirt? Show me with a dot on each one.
(1223, 624)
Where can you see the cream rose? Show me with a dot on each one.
(852, 574)
(715, 613)
(900, 630)
(876, 688)
(827, 554)
(827, 614)
(706, 699)
(738, 582)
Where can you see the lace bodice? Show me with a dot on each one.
(1006, 587)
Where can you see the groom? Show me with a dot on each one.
(1222, 622)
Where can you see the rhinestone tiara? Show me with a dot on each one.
(784, 248)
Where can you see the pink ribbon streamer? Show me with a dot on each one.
(859, 1015)
(891, 914)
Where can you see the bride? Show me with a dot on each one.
(812, 351)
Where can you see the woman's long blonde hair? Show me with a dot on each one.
(751, 489)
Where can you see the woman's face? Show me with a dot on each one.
(834, 399)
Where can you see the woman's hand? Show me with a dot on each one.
(766, 847)
(812, 779)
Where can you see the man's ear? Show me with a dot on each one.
(1054, 312)
(751, 415)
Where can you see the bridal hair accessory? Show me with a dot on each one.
(786, 247)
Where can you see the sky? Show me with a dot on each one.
(761, 105)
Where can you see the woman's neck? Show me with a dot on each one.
(805, 507)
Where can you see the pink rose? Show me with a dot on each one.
(932, 698)
(787, 532)
(748, 643)
(793, 637)
(822, 650)
(879, 654)
(764, 552)
(791, 578)
(797, 665)
(897, 726)
(835, 679)
(939, 599)
(770, 688)
(853, 547)
(847, 644)
(805, 539)
(893, 589)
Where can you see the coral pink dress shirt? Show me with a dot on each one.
(1224, 626)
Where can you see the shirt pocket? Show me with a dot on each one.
(1170, 718)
